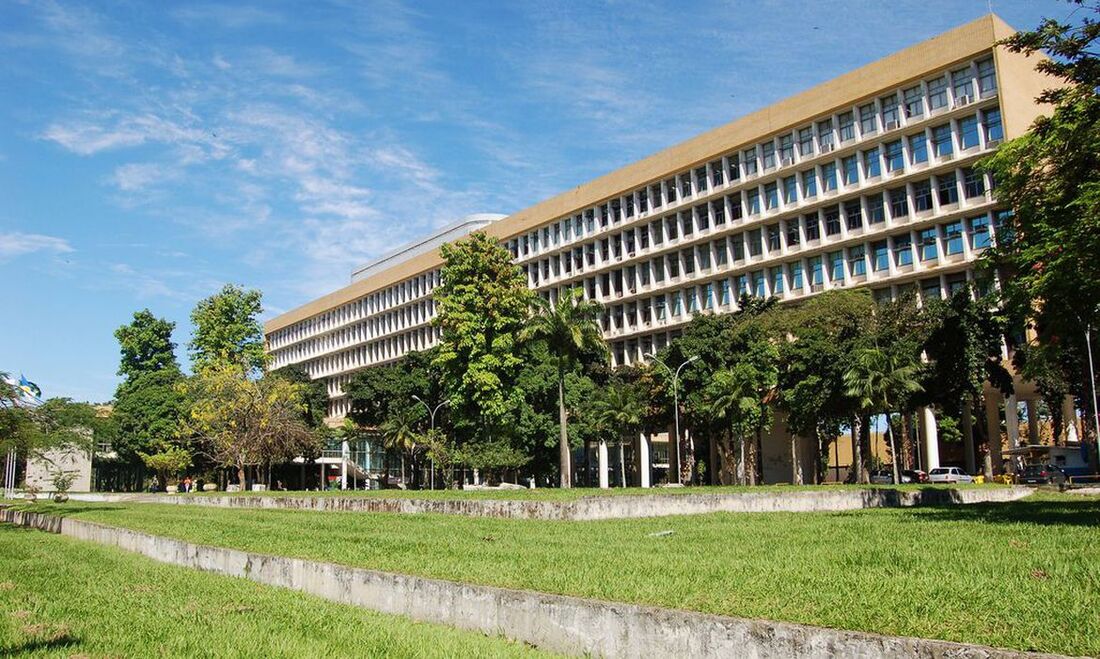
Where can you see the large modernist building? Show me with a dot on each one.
(865, 180)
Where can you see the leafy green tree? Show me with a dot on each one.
(1050, 178)
(314, 393)
(228, 331)
(569, 328)
(400, 435)
(146, 345)
(877, 379)
(482, 304)
(168, 462)
(148, 403)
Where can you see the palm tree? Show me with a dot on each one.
(877, 380)
(569, 328)
(619, 406)
(399, 434)
(732, 396)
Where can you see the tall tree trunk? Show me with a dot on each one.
(855, 470)
(240, 476)
(906, 440)
(563, 438)
(796, 464)
(741, 460)
(893, 449)
(758, 462)
(622, 464)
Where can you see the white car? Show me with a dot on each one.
(949, 475)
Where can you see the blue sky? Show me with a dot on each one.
(150, 152)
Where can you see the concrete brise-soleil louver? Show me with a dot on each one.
(865, 180)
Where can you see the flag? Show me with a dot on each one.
(28, 387)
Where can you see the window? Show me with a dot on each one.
(937, 93)
(677, 303)
(867, 123)
(734, 167)
(771, 195)
(786, 148)
(1002, 226)
(962, 84)
(775, 243)
(930, 288)
(903, 250)
(914, 102)
(880, 256)
(658, 270)
(828, 176)
(927, 244)
(670, 190)
(790, 190)
(796, 275)
(979, 232)
(973, 183)
(702, 217)
(672, 227)
(956, 283)
(857, 261)
(708, 295)
(890, 116)
(721, 255)
(836, 266)
(673, 263)
(899, 202)
(719, 210)
(853, 215)
(806, 142)
(767, 154)
(948, 189)
(847, 126)
(755, 246)
(793, 237)
(813, 226)
(968, 132)
(825, 132)
(738, 244)
(753, 198)
(777, 280)
(704, 257)
(987, 76)
(688, 258)
(701, 178)
(832, 220)
(922, 195)
(816, 272)
(685, 223)
(875, 211)
(941, 140)
(918, 148)
(736, 211)
(895, 158)
(724, 287)
(809, 184)
(758, 285)
(655, 231)
(742, 285)
(991, 121)
(953, 238)
(872, 166)
(748, 157)
(716, 173)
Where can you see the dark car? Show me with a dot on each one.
(1042, 475)
(914, 476)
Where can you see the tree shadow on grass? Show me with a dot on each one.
(1084, 513)
(35, 645)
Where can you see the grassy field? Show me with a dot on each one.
(559, 494)
(1024, 575)
(64, 598)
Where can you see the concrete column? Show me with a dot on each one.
(644, 469)
(1069, 420)
(602, 451)
(930, 435)
(1032, 421)
(1012, 427)
(968, 439)
(344, 465)
(993, 429)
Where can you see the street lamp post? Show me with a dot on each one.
(1092, 382)
(431, 415)
(675, 402)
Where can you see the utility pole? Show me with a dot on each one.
(431, 415)
(675, 402)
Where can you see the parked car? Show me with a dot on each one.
(949, 475)
(1042, 475)
(886, 477)
(915, 476)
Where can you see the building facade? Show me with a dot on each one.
(865, 180)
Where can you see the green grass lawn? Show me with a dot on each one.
(572, 494)
(1024, 575)
(64, 598)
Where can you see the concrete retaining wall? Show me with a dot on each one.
(610, 506)
(569, 625)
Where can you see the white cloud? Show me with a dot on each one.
(138, 176)
(17, 244)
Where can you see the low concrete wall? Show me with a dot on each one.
(568, 625)
(609, 506)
